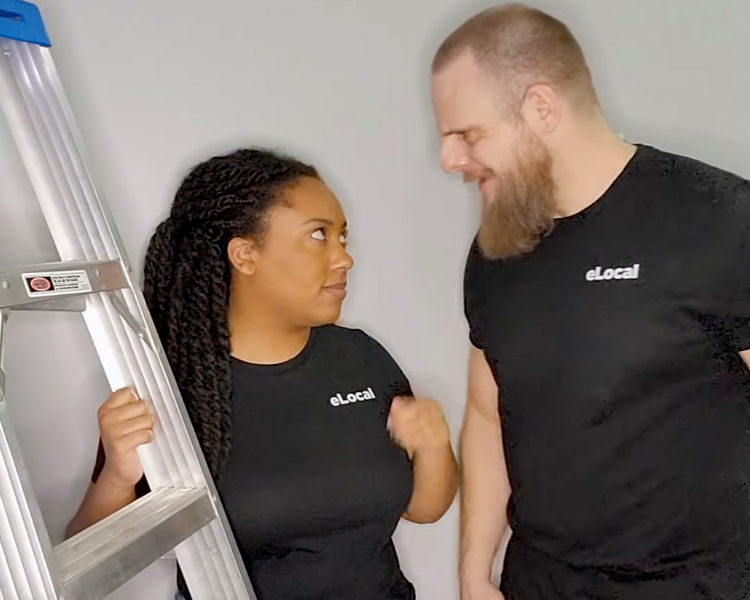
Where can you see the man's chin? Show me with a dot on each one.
(486, 187)
(487, 198)
(495, 248)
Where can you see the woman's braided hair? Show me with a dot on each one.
(187, 277)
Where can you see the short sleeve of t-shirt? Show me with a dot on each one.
(474, 290)
(380, 357)
(732, 299)
(141, 488)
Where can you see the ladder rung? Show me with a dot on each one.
(25, 285)
(70, 304)
(101, 558)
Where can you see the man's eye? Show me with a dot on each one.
(344, 238)
(319, 234)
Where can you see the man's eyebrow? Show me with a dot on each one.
(460, 131)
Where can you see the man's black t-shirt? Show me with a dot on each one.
(625, 404)
(314, 486)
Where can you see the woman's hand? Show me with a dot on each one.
(419, 427)
(124, 424)
(418, 424)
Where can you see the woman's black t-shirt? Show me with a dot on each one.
(314, 486)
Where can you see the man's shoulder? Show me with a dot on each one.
(478, 266)
(474, 265)
(699, 178)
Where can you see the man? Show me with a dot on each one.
(608, 298)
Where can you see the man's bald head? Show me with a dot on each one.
(521, 46)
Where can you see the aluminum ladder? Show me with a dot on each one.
(183, 512)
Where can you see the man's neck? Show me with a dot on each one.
(587, 166)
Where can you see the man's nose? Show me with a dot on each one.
(452, 156)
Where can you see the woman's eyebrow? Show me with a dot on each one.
(322, 221)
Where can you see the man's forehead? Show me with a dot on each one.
(462, 104)
(461, 70)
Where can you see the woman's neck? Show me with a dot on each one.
(259, 338)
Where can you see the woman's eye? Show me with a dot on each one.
(344, 238)
(318, 234)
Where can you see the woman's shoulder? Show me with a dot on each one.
(346, 334)
(352, 339)
(357, 348)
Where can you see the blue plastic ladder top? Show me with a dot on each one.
(22, 21)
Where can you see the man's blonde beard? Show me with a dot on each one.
(522, 211)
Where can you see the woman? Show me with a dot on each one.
(309, 429)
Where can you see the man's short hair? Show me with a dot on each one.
(521, 46)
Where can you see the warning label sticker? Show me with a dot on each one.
(56, 284)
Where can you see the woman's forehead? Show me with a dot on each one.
(311, 200)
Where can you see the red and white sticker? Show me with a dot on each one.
(40, 284)
(59, 283)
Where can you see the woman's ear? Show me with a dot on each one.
(241, 253)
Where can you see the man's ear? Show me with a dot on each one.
(542, 108)
(242, 253)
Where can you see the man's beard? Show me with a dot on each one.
(523, 209)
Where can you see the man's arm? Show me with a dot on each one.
(746, 357)
(485, 487)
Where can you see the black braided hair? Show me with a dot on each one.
(187, 276)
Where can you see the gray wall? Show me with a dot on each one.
(157, 85)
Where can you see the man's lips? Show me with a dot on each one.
(481, 180)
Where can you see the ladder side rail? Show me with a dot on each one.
(140, 360)
(223, 547)
(24, 541)
(118, 348)
(126, 367)
(26, 137)
(29, 81)
(174, 421)
(8, 589)
(53, 110)
(101, 211)
(25, 545)
(46, 134)
(45, 151)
